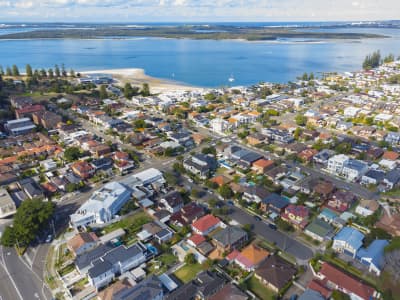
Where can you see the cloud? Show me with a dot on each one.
(200, 10)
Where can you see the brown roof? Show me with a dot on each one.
(229, 292)
(221, 180)
(390, 155)
(324, 188)
(276, 271)
(109, 293)
(80, 239)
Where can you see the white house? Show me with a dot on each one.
(102, 206)
(354, 169)
(219, 125)
(336, 163)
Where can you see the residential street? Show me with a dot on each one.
(283, 241)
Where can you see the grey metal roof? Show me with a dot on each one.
(99, 267)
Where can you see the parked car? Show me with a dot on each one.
(49, 238)
(272, 226)
(257, 218)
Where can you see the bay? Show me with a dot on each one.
(206, 63)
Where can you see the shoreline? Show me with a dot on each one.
(138, 76)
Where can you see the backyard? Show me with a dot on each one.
(188, 272)
(254, 285)
(131, 224)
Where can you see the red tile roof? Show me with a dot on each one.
(390, 155)
(263, 163)
(319, 286)
(206, 222)
(30, 109)
(346, 282)
(197, 239)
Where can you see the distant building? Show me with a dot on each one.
(230, 238)
(206, 224)
(201, 165)
(27, 111)
(19, 126)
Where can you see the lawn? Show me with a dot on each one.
(163, 262)
(254, 285)
(131, 224)
(188, 272)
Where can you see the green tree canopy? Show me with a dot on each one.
(190, 259)
(145, 90)
(72, 153)
(31, 217)
(15, 70)
(225, 191)
(301, 120)
(103, 92)
(28, 70)
(372, 60)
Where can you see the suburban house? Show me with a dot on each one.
(255, 194)
(341, 200)
(367, 207)
(206, 224)
(262, 165)
(82, 242)
(391, 179)
(189, 213)
(150, 288)
(348, 240)
(324, 189)
(372, 177)
(19, 126)
(47, 119)
(83, 169)
(249, 258)
(27, 111)
(31, 188)
(297, 215)
(373, 256)
(335, 279)
(229, 291)
(275, 273)
(102, 206)
(201, 165)
(274, 203)
(319, 230)
(202, 287)
(229, 238)
(114, 262)
(172, 202)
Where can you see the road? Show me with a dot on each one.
(282, 240)
(18, 280)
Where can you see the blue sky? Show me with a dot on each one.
(197, 10)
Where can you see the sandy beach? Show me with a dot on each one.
(138, 77)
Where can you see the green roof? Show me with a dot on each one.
(319, 227)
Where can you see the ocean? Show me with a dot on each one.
(205, 63)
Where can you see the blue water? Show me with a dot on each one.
(205, 63)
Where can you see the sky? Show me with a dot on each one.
(197, 10)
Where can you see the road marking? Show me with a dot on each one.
(9, 275)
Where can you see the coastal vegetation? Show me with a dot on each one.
(215, 32)
(374, 60)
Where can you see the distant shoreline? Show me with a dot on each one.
(212, 32)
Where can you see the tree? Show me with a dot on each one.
(145, 90)
(209, 150)
(301, 120)
(31, 217)
(129, 91)
(376, 234)
(190, 259)
(139, 123)
(372, 60)
(178, 167)
(28, 69)
(389, 58)
(71, 187)
(72, 73)
(8, 237)
(8, 71)
(103, 92)
(72, 153)
(63, 71)
(225, 191)
(15, 71)
(57, 71)
(1, 70)
(343, 148)
(51, 73)
(43, 73)
(171, 178)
